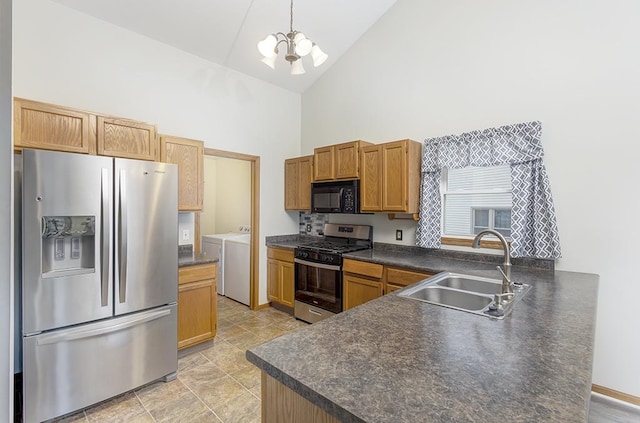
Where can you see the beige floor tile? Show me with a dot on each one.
(155, 395)
(246, 340)
(242, 316)
(254, 323)
(293, 324)
(185, 407)
(230, 331)
(270, 332)
(207, 373)
(225, 313)
(191, 361)
(76, 417)
(249, 377)
(243, 408)
(256, 391)
(124, 408)
(218, 392)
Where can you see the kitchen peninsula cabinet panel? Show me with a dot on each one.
(51, 127)
(189, 156)
(280, 276)
(197, 304)
(340, 161)
(298, 174)
(394, 186)
(118, 137)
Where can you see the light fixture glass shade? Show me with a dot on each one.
(303, 47)
(270, 61)
(318, 56)
(297, 68)
(267, 46)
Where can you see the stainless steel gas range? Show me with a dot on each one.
(318, 269)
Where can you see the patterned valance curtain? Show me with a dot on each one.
(534, 232)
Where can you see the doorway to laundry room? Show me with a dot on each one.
(227, 226)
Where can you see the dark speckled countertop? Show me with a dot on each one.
(398, 360)
(186, 257)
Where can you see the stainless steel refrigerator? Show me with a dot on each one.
(99, 278)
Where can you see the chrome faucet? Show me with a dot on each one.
(507, 291)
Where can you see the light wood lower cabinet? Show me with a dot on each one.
(197, 304)
(399, 278)
(280, 276)
(361, 282)
(280, 404)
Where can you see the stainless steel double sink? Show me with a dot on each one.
(472, 294)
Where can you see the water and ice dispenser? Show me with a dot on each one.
(68, 245)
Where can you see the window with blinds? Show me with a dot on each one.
(476, 198)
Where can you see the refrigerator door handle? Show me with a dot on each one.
(80, 333)
(122, 239)
(105, 225)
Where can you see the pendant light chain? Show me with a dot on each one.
(291, 17)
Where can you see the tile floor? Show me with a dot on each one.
(215, 382)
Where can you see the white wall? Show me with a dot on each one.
(6, 216)
(431, 68)
(64, 57)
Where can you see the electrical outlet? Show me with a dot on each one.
(185, 234)
(308, 227)
(398, 234)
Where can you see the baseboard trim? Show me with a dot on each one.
(612, 393)
(261, 306)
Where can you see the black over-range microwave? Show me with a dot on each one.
(336, 197)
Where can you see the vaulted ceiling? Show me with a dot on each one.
(227, 31)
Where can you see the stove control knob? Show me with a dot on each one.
(330, 259)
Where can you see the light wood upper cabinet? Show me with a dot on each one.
(127, 138)
(340, 161)
(47, 126)
(298, 174)
(188, 155)
(197, 304)
(390, 178)
(280, 276)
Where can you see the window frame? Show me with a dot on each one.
(460, 240)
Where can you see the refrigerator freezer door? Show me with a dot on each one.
(69, 369)
(146, 214)
(66, 239)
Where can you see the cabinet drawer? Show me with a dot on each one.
(404, 277)
(282, 254)
(196, 273)
(362, 268)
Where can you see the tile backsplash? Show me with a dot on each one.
(312, 223)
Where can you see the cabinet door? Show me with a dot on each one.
(394, 176)
(287, 281)
(273, 280)
(126, 138)
(305, 176)
(399, 278)
(371, 178)
(291, 177)
(197, 312)
(358, 291)
(188, 155)
(324, 163)
(51, 127)
(346, 160)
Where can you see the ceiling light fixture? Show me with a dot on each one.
(298, 46)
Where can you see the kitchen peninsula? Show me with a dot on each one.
(396, 359)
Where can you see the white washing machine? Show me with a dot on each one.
(214, 247)
(236, 268)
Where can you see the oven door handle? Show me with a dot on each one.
(319, 265)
